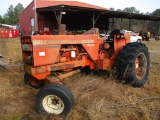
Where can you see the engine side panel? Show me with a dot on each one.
(46, 47)
(45, 54)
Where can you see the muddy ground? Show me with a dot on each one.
(96, 97)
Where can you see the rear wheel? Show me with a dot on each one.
(133, 64)
(32, 81)
(55, 99)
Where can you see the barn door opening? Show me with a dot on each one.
(32, 26)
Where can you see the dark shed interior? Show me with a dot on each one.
(75, 18)
(80, 18)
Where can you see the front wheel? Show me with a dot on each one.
(55, 99)
(133, 64)
(32, 81)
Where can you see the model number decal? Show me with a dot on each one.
(90, 44)
(43, 42)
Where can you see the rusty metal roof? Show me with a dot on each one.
(52, 3)
(116, 14)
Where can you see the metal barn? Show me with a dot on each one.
(50, 14)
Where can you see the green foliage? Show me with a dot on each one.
(11, 17)
(111, 9)
(1, 19)
(125, 22)
(15, 118)
(119, 10)
(153, 25)
(131, 10)
(156, 12)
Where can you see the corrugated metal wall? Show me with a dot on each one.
(25, 19)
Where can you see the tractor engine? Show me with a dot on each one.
(68, 53)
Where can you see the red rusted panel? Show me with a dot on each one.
(119, 43)
(6, 33)
(14, 33)
(44, 53)
(2, 33)
(45, 33)
(46, 3)
(89, 42)
(10, 33)
(24, 19)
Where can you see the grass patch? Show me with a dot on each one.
(96, 96)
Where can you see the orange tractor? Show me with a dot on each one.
(50, 58)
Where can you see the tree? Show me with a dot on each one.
(156, 12)
(111, 9)
(125, 22)
(154, 26)
(119, 10)
(147, 13)
(17, 10)
(131, 10)
(8, 17)
(11, 17)
(1, 19)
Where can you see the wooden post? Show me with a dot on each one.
(121, 23)
(59, 21)
(129, 24)
(93, 20)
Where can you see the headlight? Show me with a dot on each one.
(122, 35)
(118, 36)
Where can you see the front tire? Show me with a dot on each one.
(32, 81)
(133, 64)
(55, 99)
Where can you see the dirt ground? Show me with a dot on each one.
(96, 97)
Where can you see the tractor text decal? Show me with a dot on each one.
(44, 42)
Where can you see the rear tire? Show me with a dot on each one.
(133, 64)
(55, 99)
